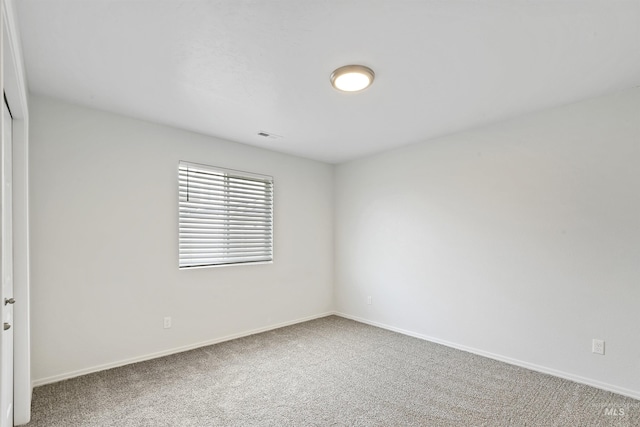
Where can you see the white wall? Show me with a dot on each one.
(519, 240)
(104, 242)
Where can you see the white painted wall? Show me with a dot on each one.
(104, 242)
(520, 240)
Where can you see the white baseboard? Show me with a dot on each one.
(85, 371)
(543, 369)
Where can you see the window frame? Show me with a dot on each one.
(227, 184)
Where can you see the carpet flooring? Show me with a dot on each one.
(326, 372)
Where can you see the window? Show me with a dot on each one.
(225, 216)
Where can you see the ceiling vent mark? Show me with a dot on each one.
(269, 135)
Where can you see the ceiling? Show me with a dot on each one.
(234, 68)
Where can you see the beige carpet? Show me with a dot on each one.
(326, 372)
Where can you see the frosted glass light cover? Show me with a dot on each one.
(352, 78)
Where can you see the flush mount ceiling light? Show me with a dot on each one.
(352, 78)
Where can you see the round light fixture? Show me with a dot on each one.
(352, 78)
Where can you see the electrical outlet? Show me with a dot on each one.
(167, 322)
(369, 300)
(597, 346)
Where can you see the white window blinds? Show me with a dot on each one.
(225, 216)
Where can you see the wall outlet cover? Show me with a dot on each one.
(597, 346)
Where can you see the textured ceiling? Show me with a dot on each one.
(234, 68)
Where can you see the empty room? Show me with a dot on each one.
(320, 213)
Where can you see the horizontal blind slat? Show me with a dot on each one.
(224, 182)
(207, 263)
(209, 190)
(224, 238)
(230, 207)
(223, 257)
(188, 184)
(230, 214)
(226, 227)
(211, 219)
(227, 173)
(209, 246)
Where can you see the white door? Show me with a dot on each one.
(6, 274)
